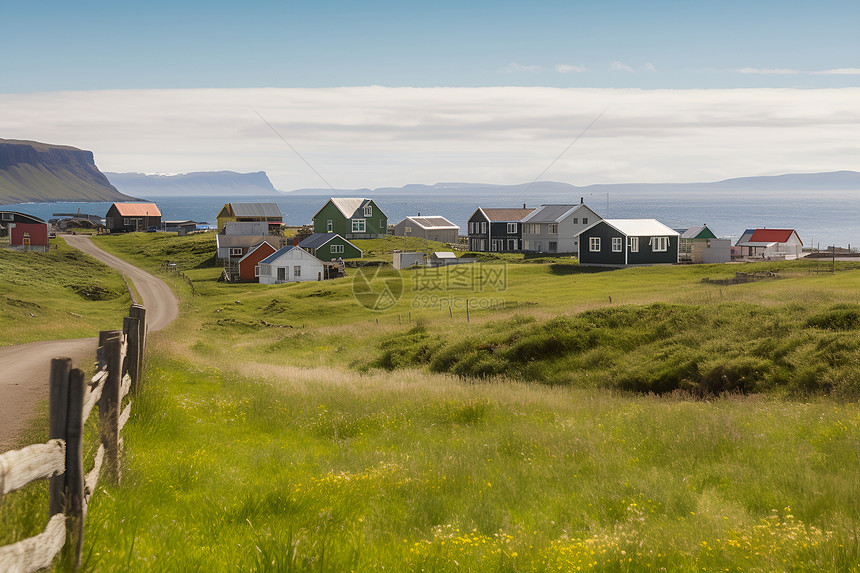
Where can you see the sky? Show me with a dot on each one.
(355, 95)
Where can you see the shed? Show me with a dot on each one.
(131, 217)
(328, 246)
(25, 232)
(700, 245)
(433, 228)
(404, 260)
(181, 228)
(290, 264)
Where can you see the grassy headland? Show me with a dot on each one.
(287, 428)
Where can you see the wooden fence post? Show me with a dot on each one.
(111, 340)
(139, 312)
(75, 463)
(131, 328)
(59, 408)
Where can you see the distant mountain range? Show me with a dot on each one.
(226, 183)
(40, 172)
(829, 181)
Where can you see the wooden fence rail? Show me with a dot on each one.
(72, 399)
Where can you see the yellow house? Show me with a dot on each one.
(233, 212)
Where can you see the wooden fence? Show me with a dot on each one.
(72, 399)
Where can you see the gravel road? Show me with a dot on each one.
(24, 369)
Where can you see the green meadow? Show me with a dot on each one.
(629, 420)
(59, 294)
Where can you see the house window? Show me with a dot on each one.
(358, 225)
(576, 220)
(634, 244)
(512, 228)
(617, 242)
(8, 216)
(336, 249)
(368, 210)
(126, 222)
(407, 230)
(552, 228)
(498, 244)
(235, 251)
(329, 226)
(256, 270)
(297, 271)
(585, 220)
(594, 244)
(483, 226)
(382, 226)
(659, 244)
(282, 273)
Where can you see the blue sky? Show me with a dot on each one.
(390, 93)
(50, 46)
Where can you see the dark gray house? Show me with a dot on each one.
(628, 242)
(496, 230)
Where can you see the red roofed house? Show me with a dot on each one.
(770, 244)
(130, 217)
(25, 232)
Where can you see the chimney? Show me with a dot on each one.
(581, 200)
(524, 206)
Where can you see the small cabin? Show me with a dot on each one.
(132, 217)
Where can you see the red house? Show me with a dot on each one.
(248, 263)
(25, 232)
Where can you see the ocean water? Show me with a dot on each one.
(821, 218)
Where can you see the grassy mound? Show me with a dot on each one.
(656, 348)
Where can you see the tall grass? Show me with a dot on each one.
(278, 468)
(272, 435)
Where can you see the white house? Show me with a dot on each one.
(554, 228)
(290, 264)
(770, 244)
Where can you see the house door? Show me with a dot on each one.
(498, 244)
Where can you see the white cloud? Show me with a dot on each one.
(840, 72)
(566, 68)
(620, 66)
(514, 67)
(375, 136)
(766, 71)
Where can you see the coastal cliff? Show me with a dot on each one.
(39, 172)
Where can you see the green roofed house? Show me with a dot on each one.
(351, 218)
(328, 246)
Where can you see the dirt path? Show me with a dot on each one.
(24, 369)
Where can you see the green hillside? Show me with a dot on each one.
(40, 172)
